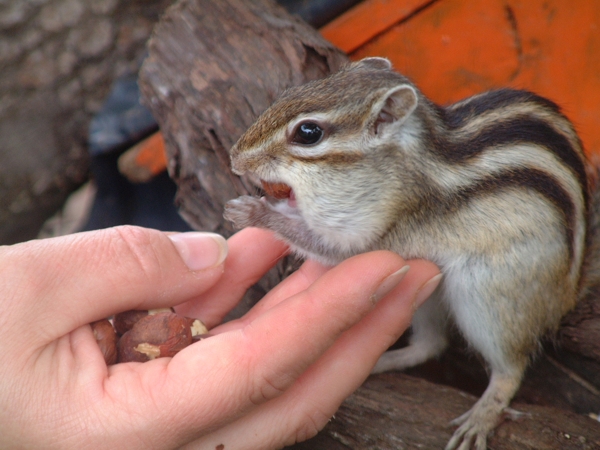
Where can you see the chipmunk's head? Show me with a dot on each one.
(310, 122)
(319, 147)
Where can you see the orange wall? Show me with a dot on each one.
(455, 48)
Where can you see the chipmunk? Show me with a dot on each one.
(493, 189)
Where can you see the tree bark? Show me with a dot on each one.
(396, 411)
(580, 331)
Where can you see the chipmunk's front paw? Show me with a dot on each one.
(246, 211)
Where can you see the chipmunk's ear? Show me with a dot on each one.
(394, 107)
(373, 63)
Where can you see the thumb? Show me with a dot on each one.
(76, 279)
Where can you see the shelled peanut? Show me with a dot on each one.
(143, 335)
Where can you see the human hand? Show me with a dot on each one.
(271, 378)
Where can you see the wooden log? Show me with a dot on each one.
(580, 331)
(396, 411)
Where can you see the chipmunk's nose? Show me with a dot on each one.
(236, 167)
(247, 160)
(239, 161)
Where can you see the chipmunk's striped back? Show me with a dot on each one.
(508, 138)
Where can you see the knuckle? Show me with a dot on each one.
(137, 250)
(269, 387)
(311, 425)
(264, 380)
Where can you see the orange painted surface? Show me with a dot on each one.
(455, 48)
(151, 154)
(367, 19)
(561, 60)
(451, 49)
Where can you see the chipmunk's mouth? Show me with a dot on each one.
(280, 191)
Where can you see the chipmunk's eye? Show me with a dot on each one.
(307, 133)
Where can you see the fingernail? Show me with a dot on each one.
(200, 250)
(389, 284)
(426, 290)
